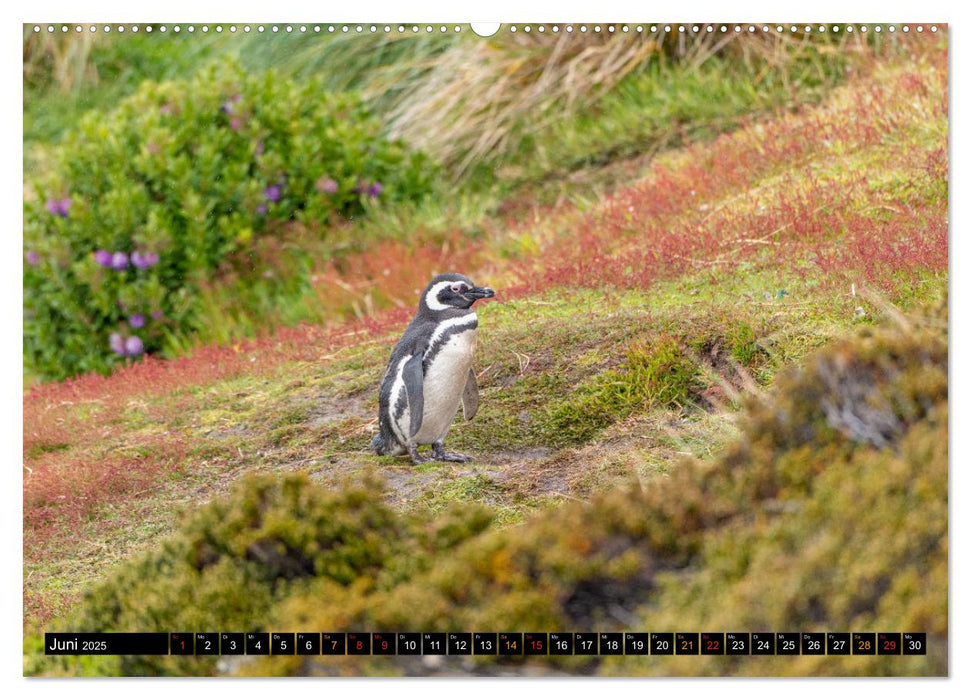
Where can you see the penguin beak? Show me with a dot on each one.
(480, 293)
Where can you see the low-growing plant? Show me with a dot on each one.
(655, 375)
(145, 204)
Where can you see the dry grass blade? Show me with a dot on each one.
(488, 95)
(66, 58)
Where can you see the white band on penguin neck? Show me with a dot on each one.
(431, 296)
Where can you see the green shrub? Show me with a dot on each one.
(146, 202)
(654, 375)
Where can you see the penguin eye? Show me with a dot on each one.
(457, 288)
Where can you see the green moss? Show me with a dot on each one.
(466, 489)
(38, 449)
(655, 375)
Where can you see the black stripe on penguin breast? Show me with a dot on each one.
(398, 409)
(436, 348)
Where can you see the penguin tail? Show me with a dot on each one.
(378, 445)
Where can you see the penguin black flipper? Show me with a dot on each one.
(414, 378)
(470, 396)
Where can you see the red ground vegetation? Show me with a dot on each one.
(63, 490)
(388, 272)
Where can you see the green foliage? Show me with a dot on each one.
(273, 538)
(655, 375)
(193, 172)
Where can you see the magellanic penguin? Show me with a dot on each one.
(430, 372)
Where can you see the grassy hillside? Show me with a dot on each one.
(828, 513)
(617, 482)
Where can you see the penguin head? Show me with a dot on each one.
(452, 291)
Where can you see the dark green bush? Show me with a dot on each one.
(144, 203)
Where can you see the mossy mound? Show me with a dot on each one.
(829, 514)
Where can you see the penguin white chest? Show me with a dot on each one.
(445, 379)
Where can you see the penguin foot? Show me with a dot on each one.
(416, 458)
(438, 451)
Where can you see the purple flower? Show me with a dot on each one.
(144, 261)
(59, 207)
(33, 257)
(166, 108)
(117, 343)
(261, 209)
(103, 258)
(157, 314)
(136, 320)
(236, 123)
(327, 185)
(259, 148)
(119, 261)
(228, 104)
(134, 346)
(375, 189)
(273, 193)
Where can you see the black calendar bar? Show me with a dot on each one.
(486, 643)
(105, 643)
